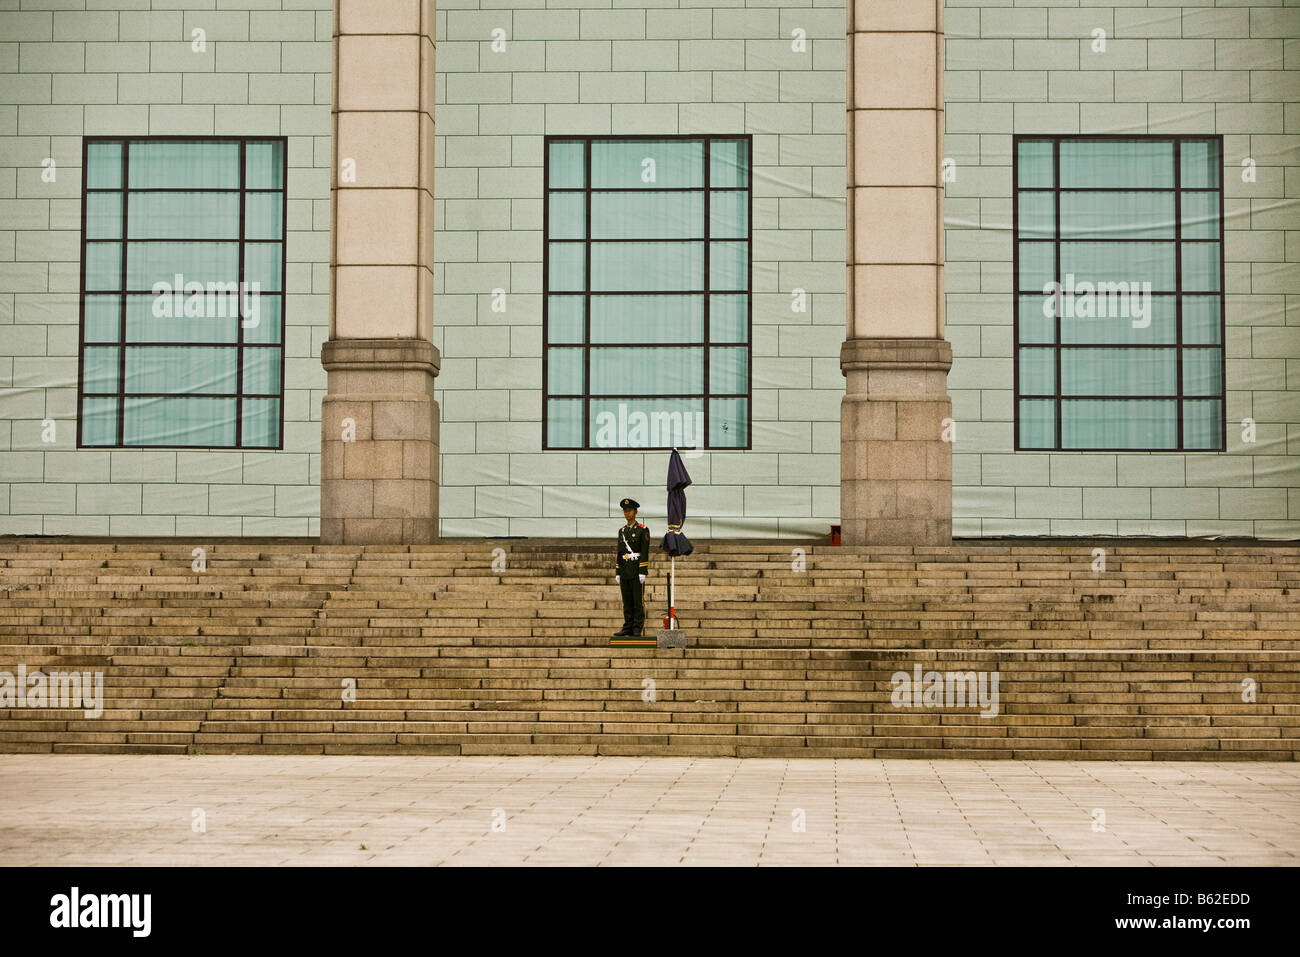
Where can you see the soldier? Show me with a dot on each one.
(631, 564)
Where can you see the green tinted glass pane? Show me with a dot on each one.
(1117, 215)
(98, 421)
(637, 423)
(1037, 320)
(647, 266)
(564, 371)
(728, 370)
(1202, 372)
(728, 423)
(729, 318)
(630, 319)
(564, 319)
(151, 263)
(103, 215)
(103, 318)
(728, 214)
(1037, 215)
(1037, 371)
(264, 215)
(1037, 423)
(565, 165)
(264, 165)
(103, 166)
(729, 266)
(1119, 262)
(99, 368)
(647, 164)
(186, 421)
(174, 164)
(261, 371)
(1200, 215)
(1034, 164)
(1037, 266)
(651, 214)
(1201, 267)
(565, 266)
(1121, 316)
(260, 423)
(567, 216)
(182, 318)
(103, 266)
(564, 423)
(181, 369)
(184, 216)
(264, 267)
(648, 370)
(1119, 371)
(1203, 424)
(262, 318)
(1139, 424)
(1199, 162)
(729, 163)
(1117, 164)
(1201, 320)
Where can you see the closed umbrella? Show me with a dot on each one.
(675, 543)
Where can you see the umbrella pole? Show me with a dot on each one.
(672, 590)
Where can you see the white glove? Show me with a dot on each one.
(642, 577)
(616, 578)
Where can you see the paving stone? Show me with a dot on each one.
(320, 810)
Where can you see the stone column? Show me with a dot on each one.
(895, 467)
(379, 420)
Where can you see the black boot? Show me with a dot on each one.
(624, 633)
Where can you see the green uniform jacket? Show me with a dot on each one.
(636, 538)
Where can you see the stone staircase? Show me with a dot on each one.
(306, 648)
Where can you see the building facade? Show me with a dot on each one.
(605, 229)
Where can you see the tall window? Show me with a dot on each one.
(647, 283)
(182, 293)
(1119, 302)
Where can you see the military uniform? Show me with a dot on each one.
(632, 560)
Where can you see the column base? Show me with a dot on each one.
(379, 443)
(895, 463)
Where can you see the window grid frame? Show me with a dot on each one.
(1177, 190)
(586, 190)
(124, 293)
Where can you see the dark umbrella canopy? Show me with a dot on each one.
(675, 543)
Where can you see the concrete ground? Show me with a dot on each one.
(303, 809)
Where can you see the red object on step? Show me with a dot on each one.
(835, 534)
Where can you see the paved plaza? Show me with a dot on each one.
(299, 809)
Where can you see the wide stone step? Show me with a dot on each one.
(792, 652)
